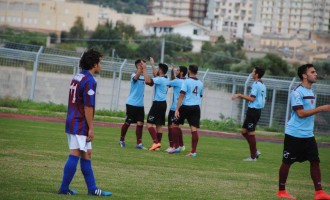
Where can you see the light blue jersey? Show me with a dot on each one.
(301, 98)
(161, 88)
(193, 89)
(176, 84)
(136, 93)
(258, 91)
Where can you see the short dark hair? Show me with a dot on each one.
(184, 70)
(138, 61)
(163, 67)
(260, 71)
(303, 69)
(193, 69)
(90, 58)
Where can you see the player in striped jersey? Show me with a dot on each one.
(156, 115)
(257, 99)
(79, 124)
(188, 107)
(299, 141)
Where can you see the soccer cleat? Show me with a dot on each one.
(140, 146)
(122, 144)
(321, 195)
(193, 155)
(177, 150)
(284, 194)
(249, 159)
(168, 149)
(183, 148)
(68, 192)
(155, 147)
(99, 192)
(258, 154)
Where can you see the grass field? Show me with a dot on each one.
(32, 156)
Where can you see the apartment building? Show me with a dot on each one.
(47, 16)
(293, 17)
(195, 10)
(230, 16)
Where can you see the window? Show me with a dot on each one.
(195, 31)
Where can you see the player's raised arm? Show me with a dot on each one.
(154, 70)
(147, 80)
(172, 72)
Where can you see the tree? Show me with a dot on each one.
(273, 64)
(104, 38)
(126, 32)
(177, 43)
(149, 48)
(323, 69)
(77, 31)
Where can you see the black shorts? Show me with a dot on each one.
(134, 114)
(251, 119)
(299, 150)
(191, 113)
(170, 117)
(157, 113)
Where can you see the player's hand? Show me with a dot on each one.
(90, 136)
(325, 108)
(152, 62)
(235, 96)
(172, 67)
(177, 114)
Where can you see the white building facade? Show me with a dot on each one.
(196, 32)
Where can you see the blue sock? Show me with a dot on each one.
(69, 171)
(86, 168)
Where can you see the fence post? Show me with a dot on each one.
(162, 51)
(77, 65)
(233, 91)
(119, 84)
(245, 91)
(34, 74)
(203, 80)
(288, 102)
(272, 108)
(113, 78)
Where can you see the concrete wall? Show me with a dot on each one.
(54, 87)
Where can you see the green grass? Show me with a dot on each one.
(32, 156)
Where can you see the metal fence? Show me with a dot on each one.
(43, 75)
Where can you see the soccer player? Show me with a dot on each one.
(188, 107)
(176, 83)
(79, 124)
(135, 106)
(299, 141)
(157, 111)
(257, 99)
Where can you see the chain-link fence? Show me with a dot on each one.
(43, 75)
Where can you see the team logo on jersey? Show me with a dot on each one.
(286, 154)
(78, 77)
(250, 125)
(90, 92)
(151, 118)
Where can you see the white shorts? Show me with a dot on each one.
(79, 142)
